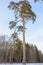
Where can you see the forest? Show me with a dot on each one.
(12, 51)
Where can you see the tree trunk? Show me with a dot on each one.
(24, 56)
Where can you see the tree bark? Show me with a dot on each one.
(24, 56)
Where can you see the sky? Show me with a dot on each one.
(34, 32)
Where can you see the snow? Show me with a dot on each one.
(21, 64)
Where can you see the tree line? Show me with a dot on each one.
(12, 52)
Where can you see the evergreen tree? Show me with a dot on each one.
(23, 9)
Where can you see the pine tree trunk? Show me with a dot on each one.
(24, 56)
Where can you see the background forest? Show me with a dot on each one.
(12, 51)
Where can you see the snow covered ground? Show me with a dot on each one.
(22, 64)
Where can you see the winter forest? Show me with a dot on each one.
(12, 52)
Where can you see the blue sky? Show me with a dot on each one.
(34, 32)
